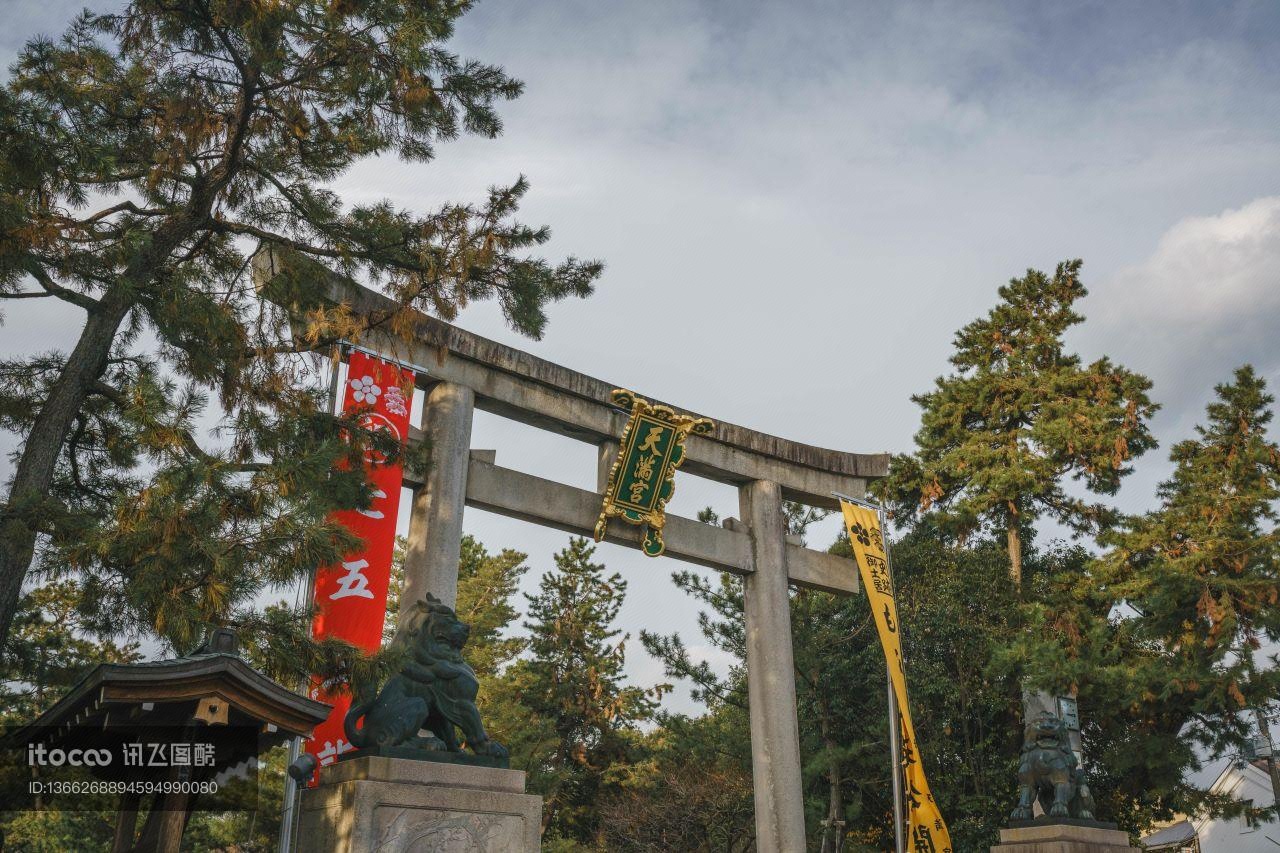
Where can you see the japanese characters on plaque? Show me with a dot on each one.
(642, 479)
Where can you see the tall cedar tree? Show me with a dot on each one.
(1197, 580)
(1020, 415)
(141, 156)
(573, 681)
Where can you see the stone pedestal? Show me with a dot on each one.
(1068, 837)
(398, 805)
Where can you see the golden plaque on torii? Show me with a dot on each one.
(642, 479)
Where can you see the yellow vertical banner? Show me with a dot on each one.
(926, 830)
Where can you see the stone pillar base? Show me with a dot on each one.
(399, 805)
(1074, 837)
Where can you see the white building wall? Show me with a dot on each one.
(1218, 835)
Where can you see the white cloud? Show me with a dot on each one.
(1212, 272)
(1206, 300)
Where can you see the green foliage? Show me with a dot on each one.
(581, 733)
(956, 611)
(1163, 631)
(249, 830)
(692, 791)
(395, 585)
(59, 831)
(50, 650)
(999, 437)
(142, 156)
(487, 584)
(1203, 569)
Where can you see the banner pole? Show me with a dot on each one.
(346, 346)
(289, 806)
(895, 764)
(895, 724)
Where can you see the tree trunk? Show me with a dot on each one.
(85, 366)
(833, 831)
(88, 361)
(1273, 770)
(1015, 554)
(34, 473)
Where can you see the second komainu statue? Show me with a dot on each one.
(1050, 774)
(435, 690)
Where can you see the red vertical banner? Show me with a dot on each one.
(351, 595)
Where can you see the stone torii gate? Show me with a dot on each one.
(466, 372)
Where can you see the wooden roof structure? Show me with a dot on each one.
(219, 686)
(213, 694)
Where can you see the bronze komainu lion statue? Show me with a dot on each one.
(434, 690)
(1050, 773)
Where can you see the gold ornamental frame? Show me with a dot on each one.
(651, 515)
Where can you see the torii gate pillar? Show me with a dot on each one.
(435, 525)
(771, 681)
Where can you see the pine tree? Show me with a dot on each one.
(664, 806)
(955, 611)
(141, 157)
(49, 650)
(1202, 571)
(1212, 549)
(1021, 414)
(1161, 635)
(487, 584)
(573, 682)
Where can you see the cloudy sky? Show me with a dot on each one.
(819, 194)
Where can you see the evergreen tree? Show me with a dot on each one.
(395, 583)
(49, 650)
(584, 715)
(1204, 569)
(956, 612)
(1195, 584)
(1021, 414)
(141, 156)
(487, 584)
(664, 806)
(247, 830)
(59, 831)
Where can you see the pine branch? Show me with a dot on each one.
(52, 288)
